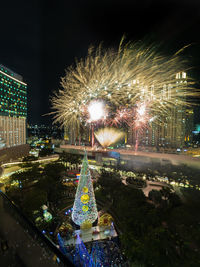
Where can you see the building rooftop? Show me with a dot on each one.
(11, 73)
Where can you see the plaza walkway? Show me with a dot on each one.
(25, 247)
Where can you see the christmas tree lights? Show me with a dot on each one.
(84, 208)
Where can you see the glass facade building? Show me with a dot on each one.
(170, 131)
(13, 108)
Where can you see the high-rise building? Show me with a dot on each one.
(170, 130)
(13, 108)
(189, 125)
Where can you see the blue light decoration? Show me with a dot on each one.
(198, 128)
(98, 255)
(81, 256)
(68, 211)
(43, 231)
(196, 132)
(114, 154)
(61, 244)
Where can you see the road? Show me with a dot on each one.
(53, 157)
(173, 158)
(143, 157)
(4, 177)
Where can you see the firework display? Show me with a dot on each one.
(133, 80)
(96, 111)
(108, 136)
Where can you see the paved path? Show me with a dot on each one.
(153, 185)
(21, 243)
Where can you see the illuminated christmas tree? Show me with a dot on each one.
(84, 209)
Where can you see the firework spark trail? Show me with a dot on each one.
(140, 121)
(132, 75)
(122, 115)
(108, 136)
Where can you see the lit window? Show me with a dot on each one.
(184, 75)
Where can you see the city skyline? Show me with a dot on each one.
(46, 39)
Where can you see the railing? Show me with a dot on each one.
(33, 231)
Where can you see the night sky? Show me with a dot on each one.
(40, 39)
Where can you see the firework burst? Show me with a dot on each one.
(108, 136)
(121, 116)
(125, 78)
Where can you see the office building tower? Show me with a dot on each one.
(171, 131)
(13, 108)
(168, 131)
(189, 125)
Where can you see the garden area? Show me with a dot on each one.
(159, 230)
(37, 184)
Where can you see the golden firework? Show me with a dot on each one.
(133, 74)
(108, 136)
